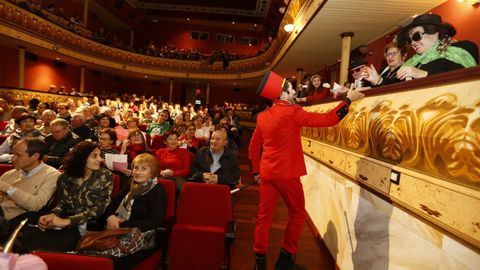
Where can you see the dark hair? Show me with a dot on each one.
(169, 133)
(432, 29)
(111, 132)
(34, 145)
(76, 159)
(33, 103)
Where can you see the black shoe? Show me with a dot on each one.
(286, 261)
(260, 262)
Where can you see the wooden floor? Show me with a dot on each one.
(313, 253)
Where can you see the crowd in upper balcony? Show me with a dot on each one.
(74, 23)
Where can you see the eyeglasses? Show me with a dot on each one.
(358, 69)
(191, 129)
(417, 36)
(393, 54)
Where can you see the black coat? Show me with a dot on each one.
(229, 172)
(58, 149)
(148, 210)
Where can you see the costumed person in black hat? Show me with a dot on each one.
(277, 159)
(435, 51)
(358, 68)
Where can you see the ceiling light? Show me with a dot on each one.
(58, 58)
(233, 22)
(188, 19)
(289, 27)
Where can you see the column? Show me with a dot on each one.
(170, 95)
(82, 79)
(85, 12)
(132, 35)
(21, 67)
(299, 78)
(346, 44)
(207, 98)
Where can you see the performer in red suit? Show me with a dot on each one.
(276, 154)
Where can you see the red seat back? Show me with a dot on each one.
(170, 189)
(142, 127)
(61, 261)
(3, 124)
(204, 204)
(116, 185)
(198, 237)
(5, 168)
(158, 142)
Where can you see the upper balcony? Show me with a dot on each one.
(47, 32)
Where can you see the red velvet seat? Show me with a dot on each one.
(142, 127)
(61, 261)
(204, 230)
(158, 258)
(157, 143)
(116, 185)
(5, 168)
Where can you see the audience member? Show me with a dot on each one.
(162, 124)
(31, 184)
(79, 127)
(103, 122)
(394, 56)
(59, 142)
(106, 140)
(12, 125)
(141, 204)
(47, 117)
(84, 191)
(189, 141)
(315, 90)
(26, 123)
(216, 164)
(134, 145)
(431, 38)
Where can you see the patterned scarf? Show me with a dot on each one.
(442, 50)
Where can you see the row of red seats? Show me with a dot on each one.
(201, 237)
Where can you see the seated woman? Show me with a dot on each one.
(174, 162)
(202, 132)
(394, 56)
(141, 204)
(106, 141)
(179, 125)
(84, 191)
(189, 141)
(315, 90)
(134, 145)
(435, 51)
(103, 122)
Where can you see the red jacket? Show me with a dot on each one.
(275, 148)
(319, 95)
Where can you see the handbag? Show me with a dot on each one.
(101, 240)
(118, 243)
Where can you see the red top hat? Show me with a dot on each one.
(271, 85)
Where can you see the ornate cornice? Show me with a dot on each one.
(20, 24)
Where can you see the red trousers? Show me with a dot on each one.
(291, 191)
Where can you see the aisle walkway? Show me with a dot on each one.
(313, 253)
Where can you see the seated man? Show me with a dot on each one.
(31, 184)
(216, 164)
(78, 127)
(59, 142)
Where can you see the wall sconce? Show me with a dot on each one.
(289, 27)
(472, 2)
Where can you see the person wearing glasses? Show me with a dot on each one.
(394, 56)
(436, 52)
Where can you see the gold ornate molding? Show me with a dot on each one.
(435, 130)
(23, 25)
